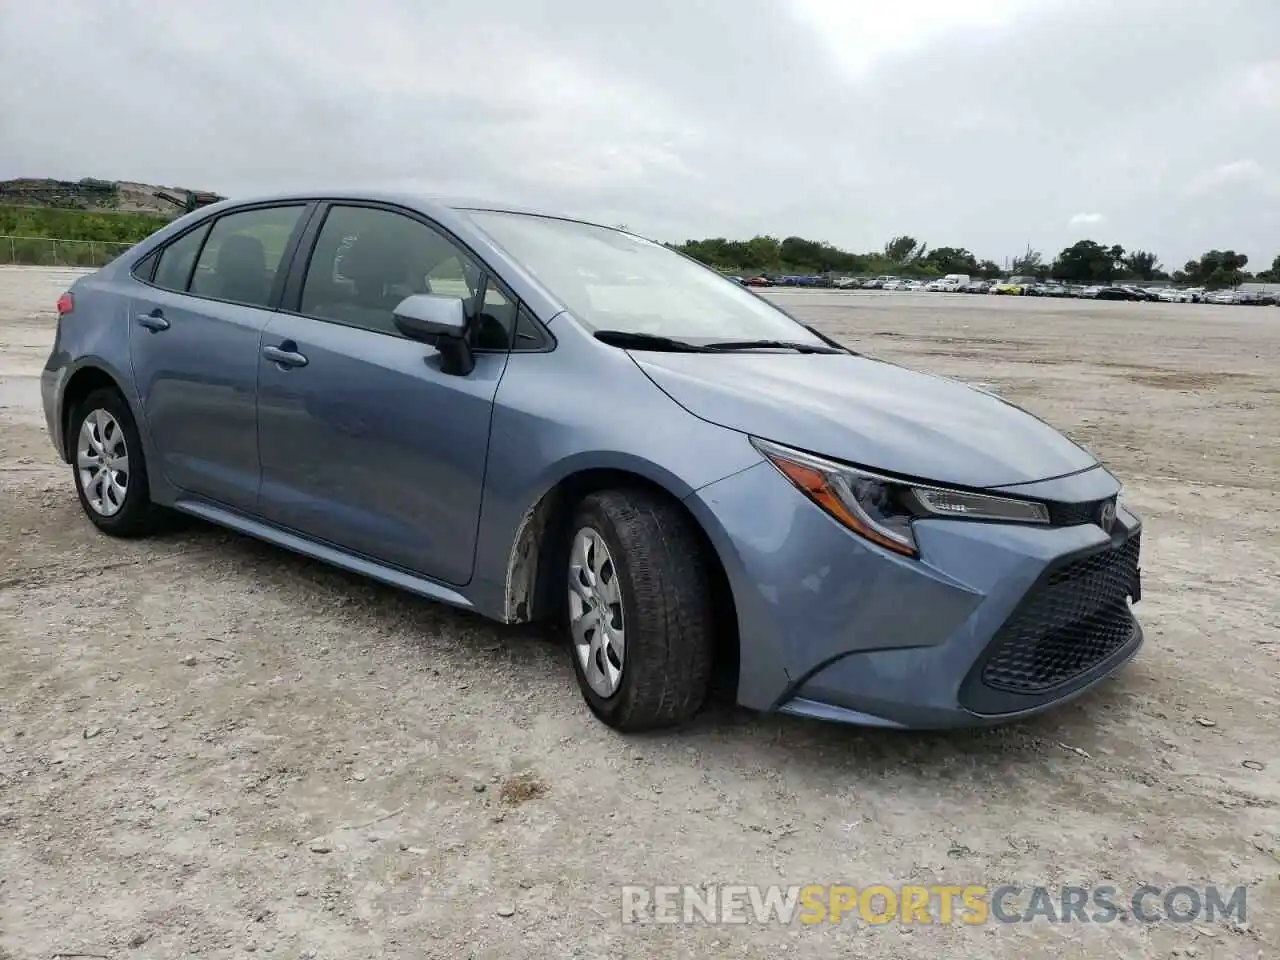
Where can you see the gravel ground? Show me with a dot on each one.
(209, 746)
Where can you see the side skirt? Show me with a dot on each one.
(325, 552)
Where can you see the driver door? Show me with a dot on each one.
(364, 442)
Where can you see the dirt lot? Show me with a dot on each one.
(210, 746)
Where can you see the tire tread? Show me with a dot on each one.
(670, 624)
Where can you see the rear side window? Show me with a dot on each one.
(243, 253)
(177, 259)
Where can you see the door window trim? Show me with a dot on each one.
(290, 301)
(278, 284)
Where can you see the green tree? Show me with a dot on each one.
(1029, 261)
(1217, 269)
(1143, 264)
(903, 249)
(1086, 261)
(762, 252)
(951, 260)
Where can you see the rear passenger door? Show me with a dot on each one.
(365, 442)
(196, 322)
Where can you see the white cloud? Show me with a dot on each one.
(1085, 220)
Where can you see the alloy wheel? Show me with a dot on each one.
(595, 612)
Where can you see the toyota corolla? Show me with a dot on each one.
(534, 417)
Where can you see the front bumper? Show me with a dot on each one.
(995, 622)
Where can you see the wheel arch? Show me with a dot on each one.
(83, 381)
(533, 589)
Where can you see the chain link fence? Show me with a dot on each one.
(48, 252)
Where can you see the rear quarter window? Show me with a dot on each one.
(173, 272)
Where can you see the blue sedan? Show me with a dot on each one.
(534, 417)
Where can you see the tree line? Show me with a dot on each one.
(1085, 262)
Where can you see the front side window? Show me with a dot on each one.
(366, 260)
(240, 260)
(176, 260)
(612, 280)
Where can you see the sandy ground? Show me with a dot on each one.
(211, 747)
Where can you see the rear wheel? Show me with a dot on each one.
(110, 472)
(639, 611)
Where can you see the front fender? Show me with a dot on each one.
(538, 442)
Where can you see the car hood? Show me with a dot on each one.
(869, 412)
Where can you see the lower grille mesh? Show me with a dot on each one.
(1076, 618)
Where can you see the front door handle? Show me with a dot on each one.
(154, 321)
(284, 356)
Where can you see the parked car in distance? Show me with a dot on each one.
(1221, 297)
(1045, 290)
(912, 286)
(535, 418)
(943, 285)
(1170, 295)
(846, 283)
(1140, 293)
(759, 282)
(1111, 293)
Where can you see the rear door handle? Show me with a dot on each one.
(154, 321)
(284, 355)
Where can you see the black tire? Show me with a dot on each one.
(666, 607)
(137, 515)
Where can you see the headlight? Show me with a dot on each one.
(881, 508)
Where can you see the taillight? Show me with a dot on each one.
(66, 303)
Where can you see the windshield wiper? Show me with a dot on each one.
(647, 341)
(725, 346)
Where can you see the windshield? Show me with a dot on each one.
(612, 280)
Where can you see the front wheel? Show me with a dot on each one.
(639, 610)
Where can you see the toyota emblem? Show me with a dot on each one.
(1107, 516)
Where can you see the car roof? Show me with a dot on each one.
(428, 203)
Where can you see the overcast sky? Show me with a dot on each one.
(988, 124)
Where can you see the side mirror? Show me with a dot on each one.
(426, 317)
(442, 322)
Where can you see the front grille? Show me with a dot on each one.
(1072, 620)
(1074, 514)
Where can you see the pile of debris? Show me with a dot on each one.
(91, 194)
